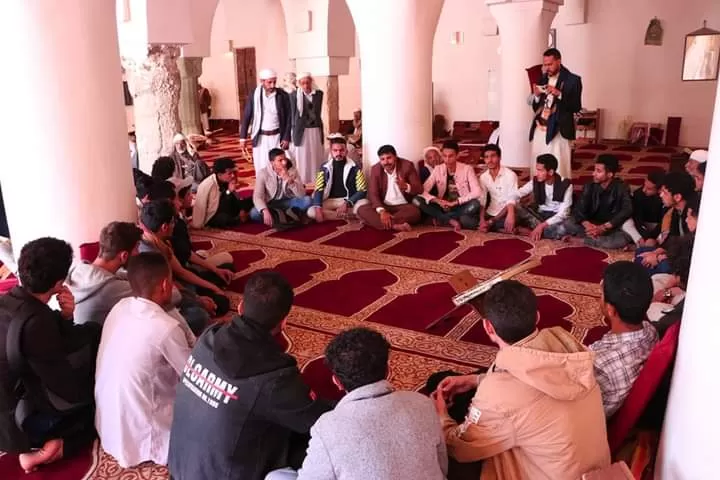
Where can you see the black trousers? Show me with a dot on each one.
(76, 428)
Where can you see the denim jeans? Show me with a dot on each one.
(662, 266)
(301, 203)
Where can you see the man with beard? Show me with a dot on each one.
(97, 286)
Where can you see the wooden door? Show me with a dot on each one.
(246, 75)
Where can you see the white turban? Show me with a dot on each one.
(304, 75)
(699, 156)
(179, 137)
(267, 74)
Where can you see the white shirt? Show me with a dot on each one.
(501, 189)
(393, 196)
(142, 353)
(561, 209)
(270, 120)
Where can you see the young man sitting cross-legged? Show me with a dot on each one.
(387, 423)
(603, 207)
(142, 353)
(457, 202)
(279, 193)
(537, 413)
(393, 184)
(644, 225)
(500, 183)
(551, 201)
(621, 353)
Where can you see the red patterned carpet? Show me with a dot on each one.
(345, 275)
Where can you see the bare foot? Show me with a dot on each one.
(50, 452)
(319, 217)
(435, 222)
(455, 224)
(402, 227)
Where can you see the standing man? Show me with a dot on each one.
(393, 184)
(269, 112)
(307, 127)
(556, 99)
(205, 100)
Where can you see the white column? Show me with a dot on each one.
(524, 28)
(66, 168)
(689, 439)
(396, 43)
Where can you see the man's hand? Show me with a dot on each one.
(439, 401)
(552, 90)
(66, 301)
(537, 91)
(454, 385)
(510, 221)
(232, 185)
(209, 305)
(267, 217)
(224, 274)
(402, 184)
(284, 174)
(342, 210)
(537, 232)
(284, 144)
(649, 259)
(484, 226)
(386, 219)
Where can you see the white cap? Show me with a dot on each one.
(699, 156)
(267, 74)
(180, 183)
(304, 75)
(179, 137)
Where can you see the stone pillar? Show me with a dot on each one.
(66, 171)
(190, 71)
(396, 44)
(331, 102)
(524, 28)
(687, 448)
(154, 82)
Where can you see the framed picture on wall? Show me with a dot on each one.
(702, 55)
(552, 38)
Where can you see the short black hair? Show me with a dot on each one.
(338, 140)
(451, 145)
(511, 308)
(157, 213)
(118, 237)
(43, 263)
(627, 287)
(386, 150)
(223, 164)
(163, 190)
(145, 271)
(548, 161)
(679, 253)
(163, 168)
(491, 147)
(267, 299)
(358, 357)
(275, 152)
(143, 185)
(609, 161)
(552, 52)
(656, 178)
(184, 191)
(680, 183)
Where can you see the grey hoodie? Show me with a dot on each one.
(96, 292)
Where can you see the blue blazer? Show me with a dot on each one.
(282, 100)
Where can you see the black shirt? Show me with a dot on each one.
(646, 209)
(180, 240)
(337, 187)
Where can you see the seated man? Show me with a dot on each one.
(241, 400)
(432, 157)
(393, 184)
(164, 168)
(97, 286)
(340, 184)
(551, 201)
(142, 353)
(457, 202)
(537, 413)
(621, 353)
(279, 192)
(53, 359)
(500, 183)
(200, 298)
(696, 158)
(677, 190)
(669, 288)
(216, 204)
(358, 360)
(699, 177)
(644, 225)
(187, 161)
(603, 207)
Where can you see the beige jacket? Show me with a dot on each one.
(536, 415)
(266, 187)
(207, 200)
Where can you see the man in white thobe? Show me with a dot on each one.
(268, 111)
(142, 354)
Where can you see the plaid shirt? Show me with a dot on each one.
(619, 357)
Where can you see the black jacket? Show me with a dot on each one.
(563, 119)
(609, 205)
(58, 371)
(282, 100)
(300, 122)
(238, 402)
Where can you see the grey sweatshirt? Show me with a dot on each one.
(96, 291)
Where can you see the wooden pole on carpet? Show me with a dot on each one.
(469, 290)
